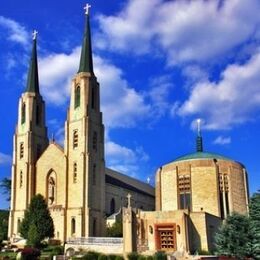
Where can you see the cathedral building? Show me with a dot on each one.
(80, 191)
(194, 193)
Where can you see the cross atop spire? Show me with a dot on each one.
(199, 143)
(33, 79)
(87, 7)
(34, 35)
(86, 61)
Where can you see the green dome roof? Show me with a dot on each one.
(201, 155)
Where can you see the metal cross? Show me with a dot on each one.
(87, 7)
(34, 35)
(129, 200)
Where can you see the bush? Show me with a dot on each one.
(91, 255)
(111, 257)
(142, 257)
(30, 253)
(58, 250)
(160, 256)
(119, 257)
(133, 256)
(102, 257)
(149, 257)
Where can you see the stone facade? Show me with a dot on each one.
(79, 190)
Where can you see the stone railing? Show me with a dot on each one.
(95, 241)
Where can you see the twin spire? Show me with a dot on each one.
(86, 61)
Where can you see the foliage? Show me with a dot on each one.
(133, 256)
(102, 257)
(160, 256)
(37, 214)
(30, 253)
(234, 236)
(149, 257)
(119, 257)
(254, 217)
(142, 257)
(116, 230)
(112, 257)
(91, 255)
(3, 224)
(34, 239)
(5, 185)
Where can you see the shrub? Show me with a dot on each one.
(112, 257)
(149, 257)
(119, 257)
(91, 255)
(142, 257)
(160, 256)
(133, 256)
(30, 253)
(58, 250)
(102, 257)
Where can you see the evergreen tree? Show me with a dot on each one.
(37, 215)
(5, 185)
(234, 237)
(254, 216)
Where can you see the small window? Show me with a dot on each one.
(77, 97)
(23, 114)
(112, 206)
(73, 226)
(75, 139)
(94, 174)
(21, 150)
(38, 115)
(93, 98)
(38, 151)
(94, 227)
(75, 171)
(18, 225)
(94, 145)
(21, 179)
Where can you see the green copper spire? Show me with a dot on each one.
(33, 80)
(86, 62)
(199, 143)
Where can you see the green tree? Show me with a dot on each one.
(254, 217)
(34, 239)
(3, 224)
(116, 230)
(5, 185)
(37, 215)
(234, 237)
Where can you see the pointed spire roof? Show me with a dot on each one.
(199, 141)
(33, 79)
(86, 61)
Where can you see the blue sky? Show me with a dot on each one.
(160, 64)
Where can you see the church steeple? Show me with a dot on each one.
(86, 61)
(199, 141)
(33, 79)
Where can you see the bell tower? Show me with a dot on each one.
(84, 147)
(30, 140)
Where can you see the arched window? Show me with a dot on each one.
(75, 171)
(73, 226)
(21, 150)
(52, 188)
(23, 114)
(21, 179)
(94, 144)
(75, 139)
(112, 206)
(77, 97)
(38, 115)
(94, 175)
(94, 227)
(93, 97)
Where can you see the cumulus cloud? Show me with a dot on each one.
(185, 30)
(124, 159)
(14, 31)
(233, 100)
(122, 105)
(221, 140)
(5, 158)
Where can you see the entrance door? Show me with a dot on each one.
(165, 237)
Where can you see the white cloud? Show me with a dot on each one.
(124, 159)
(184, 30)
(5, 158)
(233, 100)
(15, 31)
(221, 140)
(122, 105)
